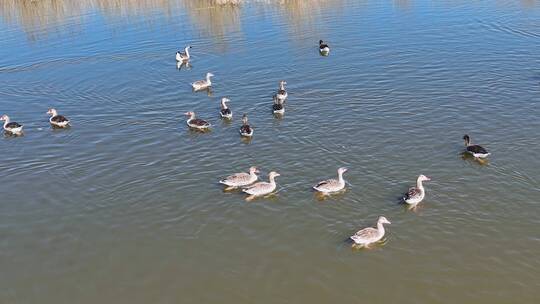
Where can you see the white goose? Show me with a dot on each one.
(416, 194)
(225, 112)
(57, 120)
(263, 188)
(332, 185)
(370, 235)
(241, 179)
(183, 56)
(196, 123)
(11, 126)
(282, 93)
(246, 130)
(203, 84)
(278, 107)
(475, 150)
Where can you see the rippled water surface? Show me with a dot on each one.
(124, 207)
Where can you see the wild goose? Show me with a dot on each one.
(241, 179)
(370, 235)
(324, 49)
(416, 194)
(262, 188)
(475, 150)
(196, 123)
(57, 120)
(11, 126)
(183, 56)
(246, 130)
(203, 84)
(225, 112)
(332, 185)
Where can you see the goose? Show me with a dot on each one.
(225, 111)
(203, 84)
(416, 194)
(246, 130)
(57, 120)
(282, 93)
(263, 188)
(11, 126)
(324, 49)
(183, 56)
(278, 107)
(241, 179)
(370, 235)
(476, 150)
(196, 123)
(332, 185)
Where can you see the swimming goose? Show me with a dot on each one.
(246, 130)
(57, 120)
(225, 111)
(263, 188)
(282, 93)
(370, 235)
(203, 84)
(241, 179)
(183, 56)
(324, 49)
(11, 126)
(476, 150)
(278, 107)
(196, 123)
(416, 194)
(332, 185)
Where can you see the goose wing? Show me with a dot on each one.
(236, 179)
(323, 45)
(13, 125)
(226, 111)
(366, 234)
(277, 106)
(245, 129)
(259, 188)
(476, 149)
(199, 122)
(59, 119)
(412, 193)
(327, 185)
(199, 83)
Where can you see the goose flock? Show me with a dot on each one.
(248, 182)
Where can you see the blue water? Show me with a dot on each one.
(124, 206)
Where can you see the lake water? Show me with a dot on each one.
(124, 207)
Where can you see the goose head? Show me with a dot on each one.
(342, 170)
(52, 112)
(273, 175)
(224, 100)
(467, 139)
(320, 42)
(423, 178)
(4, 117)
(208, 75)
(383, 220)
(190, 114)
(245, 119)
(253, 170)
